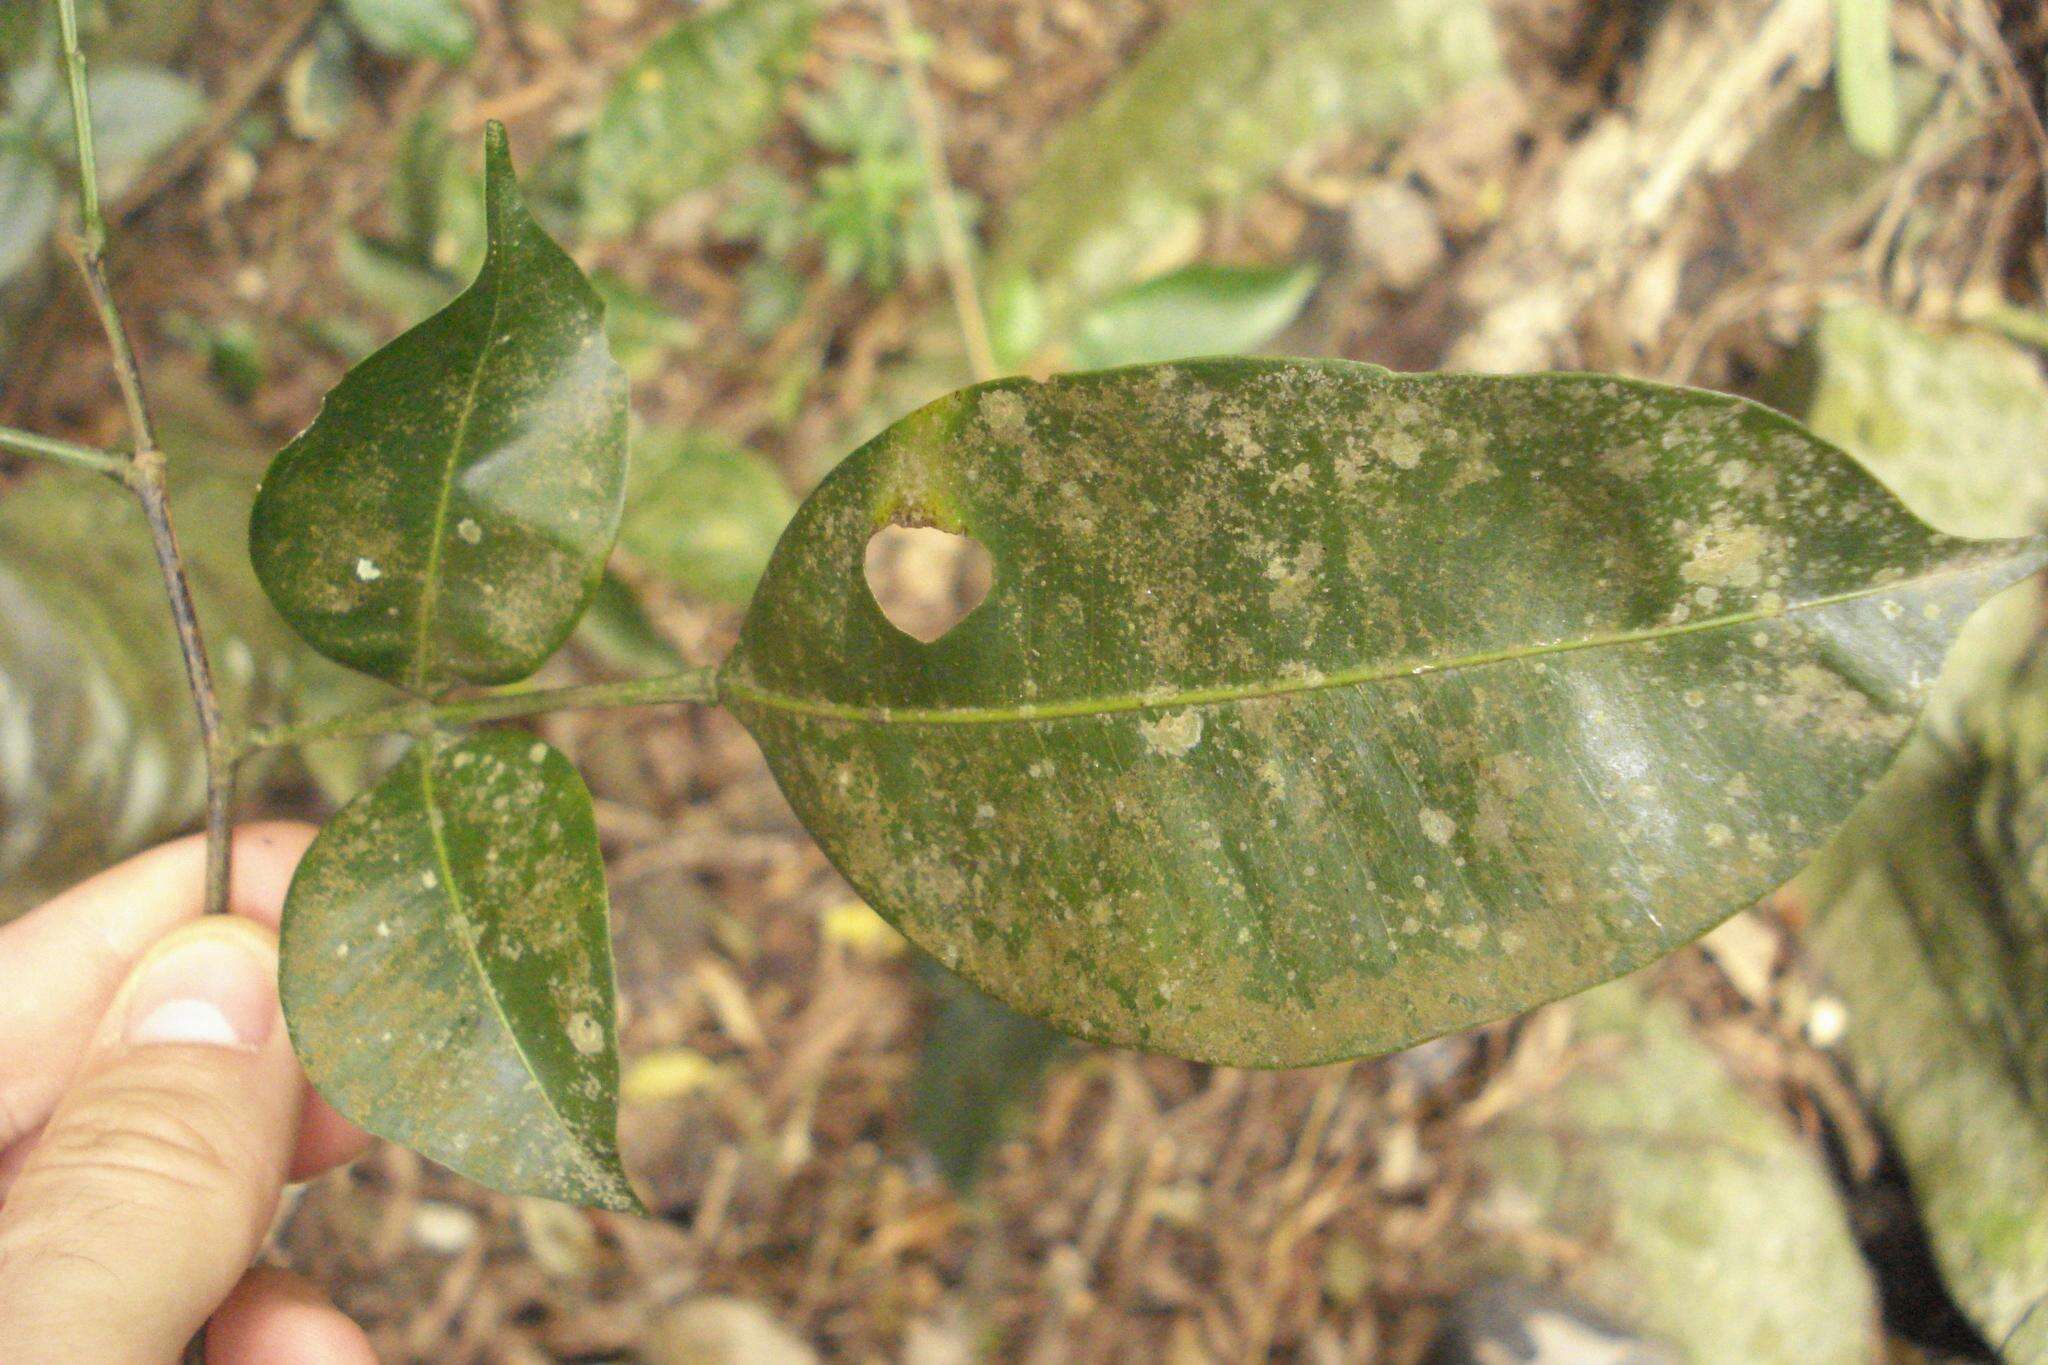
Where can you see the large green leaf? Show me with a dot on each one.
(1316, 710)
(689, 107)
(446, 517)
(447, 968)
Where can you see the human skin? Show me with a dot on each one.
(151, 1112)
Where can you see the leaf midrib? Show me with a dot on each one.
(456, 901)
(1078, 708)
(430, 583)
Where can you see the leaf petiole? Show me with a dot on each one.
(690, 685)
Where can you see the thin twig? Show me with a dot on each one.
(64, 452)
(956, 253)
(690, 685)
(144, 474)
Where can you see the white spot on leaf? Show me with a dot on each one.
(1172, 734)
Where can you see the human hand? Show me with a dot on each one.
(150, 1112)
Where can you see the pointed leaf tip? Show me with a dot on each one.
(447, 516)
(446, 968)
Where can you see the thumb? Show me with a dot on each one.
(151, 1188)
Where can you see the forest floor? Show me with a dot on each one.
(1576, 215)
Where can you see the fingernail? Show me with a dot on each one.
(214, 989)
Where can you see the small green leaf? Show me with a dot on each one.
(689, 107)
(1863, 75)
(28, 207)
(702, 513)
(137, 113)
(1194, 311)
(643, 334)
(446, 968)
(1316, 710)
(980, 1062)
(617, 632)
(447, 515)
(440, 30)
(319, 85)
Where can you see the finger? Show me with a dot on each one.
(63, 962)
(326, 1140)
(276, 1318)
(157, 1176)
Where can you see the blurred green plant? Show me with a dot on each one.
(1865, 87)
(865, 213)
(1929, 913)
(437, 29)
(1194, 311)
(689, 107)
(1212, 109)
(98, 752)
(1693, 1213)
(138, 112)
(319, 86)
(979, 1067)
(702, 514)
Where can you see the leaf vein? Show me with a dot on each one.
(1081, 708)
(455, 899)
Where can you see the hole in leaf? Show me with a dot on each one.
(925, 580)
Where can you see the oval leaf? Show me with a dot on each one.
(438, 29)
(28, 207)
(446, 968)
(1316, 710)
(447, 516)
(1194, 311)
(702, 513)
(689, 107)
